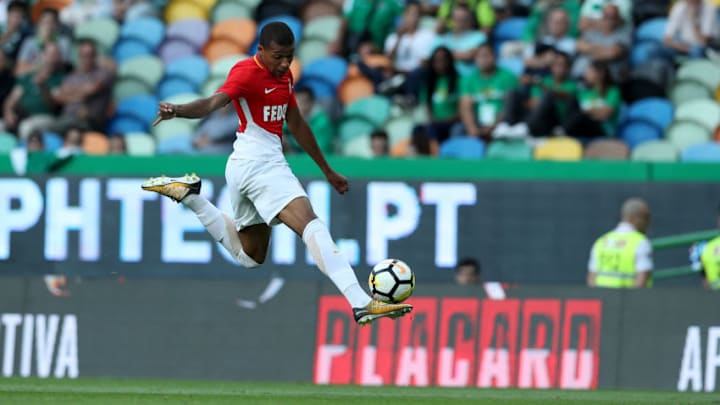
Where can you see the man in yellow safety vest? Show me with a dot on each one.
(710, 260)
(622, 258)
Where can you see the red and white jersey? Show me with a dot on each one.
(261, 101)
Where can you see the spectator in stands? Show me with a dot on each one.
(379, 143)
(85, 93)
(365, 22)
(539, 56)
(463, 40)
(419, 144)
(481, 15)
(72, 142)
(15, 30)
(690, 27)
(537, 23)
(80, 11)
(440, 94)
(607, 41)
(468, 271)
(48, 31)
(592, 14)
(622, 258)
(35, 142)
(318, 120)
(547, 105)
(482, 94)
(117, 145)
(598, 104)
(7, 79)
(217, 132)
(407, 47)
(30, 105)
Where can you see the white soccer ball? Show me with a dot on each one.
(392, 281)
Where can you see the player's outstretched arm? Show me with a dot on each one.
(199, 108)
(304, 136)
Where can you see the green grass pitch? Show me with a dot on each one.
(119, 391)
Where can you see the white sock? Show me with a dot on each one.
(220, 227)
(333, 263)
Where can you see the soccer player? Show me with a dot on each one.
(263, 189)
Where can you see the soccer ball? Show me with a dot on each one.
(392, 281)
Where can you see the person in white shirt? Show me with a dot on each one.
(409, 45)
(690, 27)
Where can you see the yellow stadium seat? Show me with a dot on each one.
(184, 9)
(560, 148)
(207, 5)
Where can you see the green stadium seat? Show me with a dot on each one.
(8, 142)
(509, 150)
(185, 98)
(172, 128)
(358, 146)
(703, 111)
(686, 90)
(222, 66)
(655, 151)
(147, 68)
(104, 31)
(353, 127)
(211, 85)
(139, 144)
(128, 87)
(227, 10)
(399, 128)
(684, 133)
(311, 49)
(701, 70)
(376, 109)
(323, 28)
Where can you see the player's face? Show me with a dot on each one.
(277, 59)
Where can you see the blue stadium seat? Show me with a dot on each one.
(147, 30)
(651, 30)
(704, 152)
(122, 124)
(515, 66)
(462, 148)
(174, 85)
(175, 145)
(52, 141)
(647, 51)
(636, 131)
(194, 68)
(126, 49)
(193, 31)
(324, 75)
(293, 22)
(659, 111)
(143, 108)
(510, 29)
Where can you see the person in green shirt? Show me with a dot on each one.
(539, 13)
(440, 94)
(482, 10)
(482, 94)
(595, 111)
(546, 104)
(318, 120)
(365, 21)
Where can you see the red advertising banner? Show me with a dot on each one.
(455, 342)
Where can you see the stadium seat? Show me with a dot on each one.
(399, 128)
(703, 152)
(376, 109)
(170, 128)
(211, 86)
(293, 23)
(146, 68)
(121, 124)
(207, 5)
(510, 29)
(509, 150)
(40, 5)
(655, 151)
(194, 69)
(560, 148)
(651, 30)
(139, 144)
(351, 127)
(636, 131)
(358, 146)
(685, 90)
(645, 52)
(173, 85)
(175, 145)
(142, 108)
(95, 143)
(142, 9)
(402, 148)
(8, 142)
(182, 98)
(217, 49)
(296, 67)
(659, 111)
(352, 89)
(149, 31)
(324, 75)
(130, 86)
(193, 31)
(311, 49)
(323, 28)
(705, 112)
(52, 141)
(241, 31)
(701, 70)
(462, 148)
(178, 10)
(130, 48)
(316, 9)
(172, 49)
(607, 149)
(516, 66)
(684, 133)
(221, 67)
(104, 31)
(227, 10)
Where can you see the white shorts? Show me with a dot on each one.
(259, 190)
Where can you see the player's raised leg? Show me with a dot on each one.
(299, 216)
(248, 246)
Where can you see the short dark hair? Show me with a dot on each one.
(277, 32)
(17, 5)
(379, 133)
(469, 261)
(87, 41)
